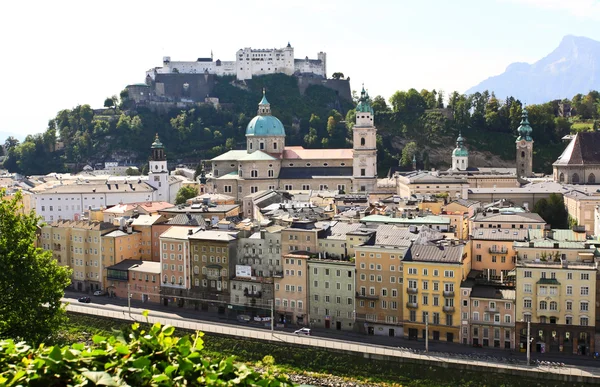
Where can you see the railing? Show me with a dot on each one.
(412, 290)
(495, 250)
(491, 310)
(448, 309)
(251, 294)
(412, 305)
(448, 293)
(278, 274)
(491, 323)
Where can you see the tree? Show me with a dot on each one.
(553, 211)
(10, 143)
(408, 152)
(112, 103)
(32, 282)
(132, 172)
(337, 75)
(145, 169)
(185, 193)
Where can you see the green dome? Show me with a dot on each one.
(460, 152)
(265, 126)
(157, 144)
(524, 129)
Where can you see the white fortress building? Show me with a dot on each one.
(248, 63)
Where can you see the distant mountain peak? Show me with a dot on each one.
(572, 68)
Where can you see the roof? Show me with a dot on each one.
(429, 219)
(549, 243)
(545, 187)
(437, 253)
(119, 233)
(392, 235)
(146, 220)
(558, 235)
(147, 267)
(182, 209)
(266, 125)
(83, 224)
(460, 152)
(187, 220)
(509, 217)
(298, 152)
(428, 177)
(314, 172)
(548, 281)
(257, 156)
(126, 264)
(179, 232)
(488, 291)
(584, 149)
(157, 144)
(232, 155)
(213, 235)
(338, 230)
(500, 234)
(466, 202)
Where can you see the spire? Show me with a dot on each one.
(264, 107)
(364, 103)
(157, 144)
(524, 129)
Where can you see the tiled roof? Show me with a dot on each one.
(437, 253)
(119, 233)
(187, 220)
(99, 188)
(500, 234)
(508, 217)
(83, 224)
(299, 153)
(257, 156)
(584, 149)
(179, 232)
(147, 220)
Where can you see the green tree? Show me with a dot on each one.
(10, 143)
(32, 282)
(185, 193)
(198, 171)
(408, 152)
(145, 169)
(132, 172)
(230, 143)
(379, 105)
(553, 211)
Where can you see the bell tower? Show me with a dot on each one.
(524, 145)
(364, 138)
(158, 174)
(460, 155)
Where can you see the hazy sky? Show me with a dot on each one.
(57, 54)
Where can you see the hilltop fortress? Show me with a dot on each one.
(248, 63)
(181, 83)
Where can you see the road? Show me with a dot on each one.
(172, 312)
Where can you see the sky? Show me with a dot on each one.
(58, 54)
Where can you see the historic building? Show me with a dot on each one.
(460, 155)
(267, 164)
(580, 161)
(524, 144)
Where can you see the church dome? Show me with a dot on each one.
(265, 126)
(460, 152)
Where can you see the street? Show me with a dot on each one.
(173, 312)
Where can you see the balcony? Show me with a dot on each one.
(491, 323)
(412, 305)
(448, 309)
(252, 294)
(498, 250)
(278, 274)
(492, 310)
(412, 290)
(367, 296)
(448, 293)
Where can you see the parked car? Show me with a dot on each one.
(303, 331)
(243, 318)
(86, 300)
(98, 293)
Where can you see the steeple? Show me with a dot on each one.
(158, 150)
(460, 154)
(364, 102)
(202, 175)
(264, 107)
(524, 129)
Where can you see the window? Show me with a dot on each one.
(526, 288)
(543, 305)
(363, 172)
(569, 276)
(585, 290)
(569, 290)
(527, 274)
(449, 273)
(507, 318)
(527, 303)
(583, 306)
(569, 305)
(412, 270)
(583, 321)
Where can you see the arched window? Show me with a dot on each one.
(561, 178)
(362, 141)
(523, 154)
(575, 178)
(553, 305)
(172, 279)
(196, 270)
(592, 179)
(543, 305)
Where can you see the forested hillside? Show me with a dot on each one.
(411, 122)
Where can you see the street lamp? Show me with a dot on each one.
(529, 340)
(129, 299)
(426, 331)
(272, 320)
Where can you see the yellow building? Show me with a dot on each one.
(432, 279)
(117, 246)
(459, 211)
(291, 290)
(581, 206)
(78, 244)
(556, 293)
(506, 219)
(379, 277)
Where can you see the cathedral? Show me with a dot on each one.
(267, 163)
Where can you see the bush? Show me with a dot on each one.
(140, 358)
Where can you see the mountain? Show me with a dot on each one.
(572, 68)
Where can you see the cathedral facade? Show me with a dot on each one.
(267, 163)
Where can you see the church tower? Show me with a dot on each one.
(460, 155)
(364, 138)
(524, 148)
(158, 174)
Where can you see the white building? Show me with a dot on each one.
(71, 199)
(248, 63)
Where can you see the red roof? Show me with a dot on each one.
(299, 153)
(150, 207)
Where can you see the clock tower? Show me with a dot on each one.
(364, 138)
(524, 146)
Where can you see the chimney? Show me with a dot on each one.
(129, 229)
(190, 232)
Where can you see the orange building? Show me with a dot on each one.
(141, 279)
(493, 252)
(119, 245)
(150, 244)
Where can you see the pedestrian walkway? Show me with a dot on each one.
(326, 343)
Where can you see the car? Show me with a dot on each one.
(98, 293)
(86, 300)
(243, 318)
(303, 331)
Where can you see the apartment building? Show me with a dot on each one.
(487, 315)
(432, 278)
(379, 278)
(558, 300)
(459, 211)
(291, 289)
(150, 241)
(175, 261)
(140, 279)
(258, 260)
(331, 292)
(493, 252)
(117, 246)
(506, 219)
(332, 242)
(79, 245)
(581, 206)
(213, 265)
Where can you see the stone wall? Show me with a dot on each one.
(340, 86)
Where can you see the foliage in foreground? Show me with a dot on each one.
(152, 358)
(32, 283)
